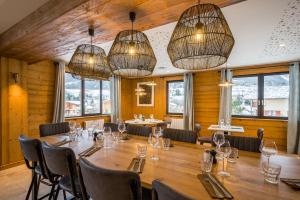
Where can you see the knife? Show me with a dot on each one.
(227, 194)
(216, 191)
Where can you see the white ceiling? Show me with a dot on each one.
(13, 11)
(265, 31)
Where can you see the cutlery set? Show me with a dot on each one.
(137, 165)
(90, 151)
(213, 186)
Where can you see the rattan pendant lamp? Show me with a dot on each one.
(131, 54)
(201, 39)
(89, 62)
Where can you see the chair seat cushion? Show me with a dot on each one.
(65, 184)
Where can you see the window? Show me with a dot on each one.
(261, 96)
(175, 97)
(94, 93)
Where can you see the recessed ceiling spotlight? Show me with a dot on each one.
(282, 45)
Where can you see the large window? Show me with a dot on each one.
(94, 94)
(262, 96)
(175, 97)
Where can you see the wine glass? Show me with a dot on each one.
(219, 139)
(135, 117)
(269, 149)
(72, 125)
(151, 116)
(122, 129)
(221, 123)
(225, 151)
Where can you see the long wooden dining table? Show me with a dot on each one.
(179, 166)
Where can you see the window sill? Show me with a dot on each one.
(174, 115)
(258, 119)
(87, 116)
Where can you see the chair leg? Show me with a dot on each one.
(65, 196)
(30, 187)
(52, 191)
(57, 193)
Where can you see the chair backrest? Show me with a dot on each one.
(160, 191)
(139, 130)
(180, 135)
(110, 184)
(53, 129)
(246, 143)
(162, 125)
(99, 124)
(61, 161)
(113, 126)
(176, 123)
(32, 152)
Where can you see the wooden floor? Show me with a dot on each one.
(14, 183)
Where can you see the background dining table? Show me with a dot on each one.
(179, 166)
(148, 122)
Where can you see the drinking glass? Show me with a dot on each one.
(141, 150)
(122, 129)
(107, 137)
(116, 136)
(72, 136)
(207, 161)
(154, 141)
(166, 143)
(135, 117)
(233, 155)
(221, 123)
(91, 130)
(225, 151)
(72, 125)
(219, 139)
(151, 117)
(269, 149)
(78, 129)
(271, 172)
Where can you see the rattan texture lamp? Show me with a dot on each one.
(131, 54)
(201, 39)
(89, 62)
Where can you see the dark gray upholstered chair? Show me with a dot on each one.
(180, 135)
(246, 143)
(113, 126)
(162, 125)
(34, 159)
(161, 191)
(53, 129)
(139, 130)
(62, 161)
(110, 184)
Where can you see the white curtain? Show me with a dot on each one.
(116, 98)
(293, 135)
(225, 97)
(188, 113)
(59, 101)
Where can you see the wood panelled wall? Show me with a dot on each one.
(24, 105)
(207, 102)
(129, 98)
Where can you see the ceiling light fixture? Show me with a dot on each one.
(131, 54)
(226, 82)
(89, 61)
(201, 39)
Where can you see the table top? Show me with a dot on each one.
(236, 129)
(141, 122)
(180, 166)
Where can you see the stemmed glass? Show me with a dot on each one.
(269, 149)
(135, 117)
(225, 151)
(78, 129)
(72, 126)
(122, 129)
(219, 139)
(151, 116)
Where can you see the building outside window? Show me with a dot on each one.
(175, 97)
(261, 96)
(94, 93)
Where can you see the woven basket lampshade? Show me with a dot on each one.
(201, 39)
(89, 62)
(131, 54)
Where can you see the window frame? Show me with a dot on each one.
(82, 98)
(167, 95)
(260, 96)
